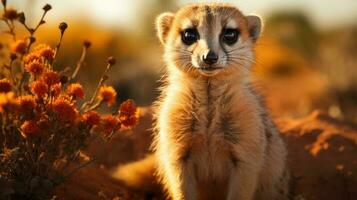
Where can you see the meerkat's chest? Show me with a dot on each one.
(203, 123)
(214, 132)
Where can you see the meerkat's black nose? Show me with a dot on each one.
(210, 58)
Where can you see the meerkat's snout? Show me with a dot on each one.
(208, 62)
(210, 57)
(207, 57)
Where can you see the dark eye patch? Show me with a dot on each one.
(189, 36)
(230, 35)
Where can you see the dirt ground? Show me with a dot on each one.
(322, 158)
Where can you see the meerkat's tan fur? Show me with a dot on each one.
(213, 138)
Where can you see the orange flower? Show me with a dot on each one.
(127, 108)
(39, 88)
(129, 122)
(35, 67)
(7, 102)
(76, 90)
(26, 104)
(20, 47)
(91, 118)
(31, 57)
(56, 89)
(107, 94)
(65, 110)
(45, 51)
(29, 128)
(128, 114)
(5, 86)
(51, 77)
(109, 124)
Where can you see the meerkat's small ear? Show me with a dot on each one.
(255, 27)
(163, 24)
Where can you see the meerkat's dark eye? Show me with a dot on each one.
(230, 35)
(189, 36)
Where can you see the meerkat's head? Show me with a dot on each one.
(208, 39)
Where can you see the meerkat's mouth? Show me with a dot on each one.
(210, 69)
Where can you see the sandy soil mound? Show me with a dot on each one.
(322, 158)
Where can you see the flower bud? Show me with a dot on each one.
(32, 40)
(111, 60)
(47, 7)
(13, 56)
(63, 26)
(87, 44)
(10, 14)
(21, 17)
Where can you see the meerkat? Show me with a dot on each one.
(213, 138)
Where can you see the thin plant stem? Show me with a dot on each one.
(80, 63)
(102, 80)
(11, 29)
(12, 72)
(63, 26)
(10, 25)
(32, 31)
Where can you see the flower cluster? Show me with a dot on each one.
(45, 116)
(128, 114)
(107, 94)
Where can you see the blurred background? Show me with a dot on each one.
(306, 59)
